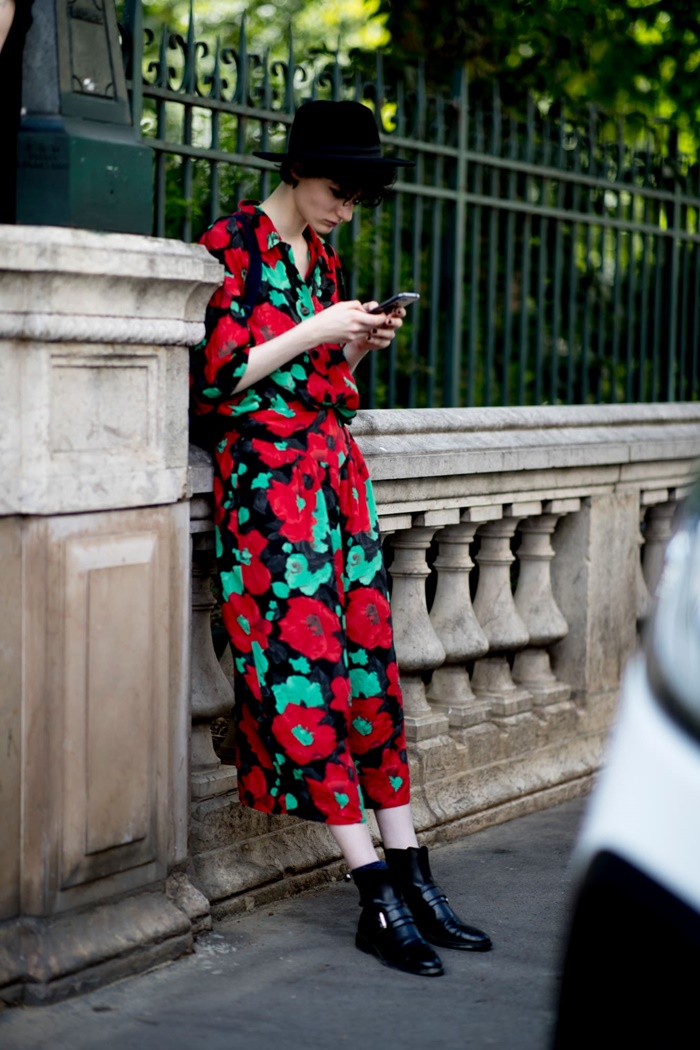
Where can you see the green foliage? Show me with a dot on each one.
(625, 56)
(318, 24)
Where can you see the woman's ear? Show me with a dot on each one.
(297, 173)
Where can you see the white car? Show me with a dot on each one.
(632, 962)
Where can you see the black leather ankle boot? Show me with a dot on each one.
(387, 929)
(429, 906)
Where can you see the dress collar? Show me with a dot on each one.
(269, 238)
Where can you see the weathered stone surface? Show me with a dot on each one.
(94, 603)
(93, 336)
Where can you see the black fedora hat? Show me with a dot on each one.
(338, 131)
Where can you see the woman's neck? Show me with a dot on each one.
(282, 212)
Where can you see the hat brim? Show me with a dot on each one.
(386, 162)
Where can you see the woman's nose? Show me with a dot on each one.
(346, 209)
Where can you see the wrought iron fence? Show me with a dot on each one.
(557, 262)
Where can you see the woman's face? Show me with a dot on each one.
(322, 204)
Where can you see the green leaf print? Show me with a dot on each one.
(322, 527)
(363, 727)
(358, 656)
(298, 575)
(281, 590)
(290, 802)
(364, 683)
(277, 298)
(261, 662)
(297, 690)
(278, 404)
(276, 276)
(301, 665)
(283, 378)
(261, 482)
(231, 583)
(341, 798)
(358, 568)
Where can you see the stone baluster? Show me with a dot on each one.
(659, 519)
(418, 648)
(457, 627)
(211, 692)
(537, 606)
(642, 596)
(496, 612)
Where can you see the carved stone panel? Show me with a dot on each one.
(104, 702)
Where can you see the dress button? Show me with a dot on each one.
(304, 311)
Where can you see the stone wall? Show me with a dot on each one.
(94, 605)
(509, 682)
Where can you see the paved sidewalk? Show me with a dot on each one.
(288, 976)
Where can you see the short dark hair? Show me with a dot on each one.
(364, 183)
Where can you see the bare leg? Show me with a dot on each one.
(355, 842)
(396, 827)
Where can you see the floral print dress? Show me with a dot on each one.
(319, 721)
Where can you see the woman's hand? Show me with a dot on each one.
(384, 329)
(341, 323)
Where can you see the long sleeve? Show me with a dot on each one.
(219, 361)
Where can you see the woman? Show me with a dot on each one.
(319, 721)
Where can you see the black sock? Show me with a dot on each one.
(375, 865)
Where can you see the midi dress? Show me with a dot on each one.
(318, 711)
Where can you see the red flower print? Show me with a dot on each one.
(244, 623)
(273, 456)
(336, 796)
(389, 785)
(368, 618)
(310, 627)
(217, 237)
(340, 688)
(254, 784)
(256, 578)
(249, 727)
(353, 501)
(302, 735)
(224, 461)
(392, 673)
(294, 504)
(282, 426)
(270, 319)
(252, 681)
(230, 336)
(369, 727)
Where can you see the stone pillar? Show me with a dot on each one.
(593, 575)
(659, 520)
(537, 607)
(457, 627)
(499, 618)
(418, 648)
(211, 693)
(94, 332)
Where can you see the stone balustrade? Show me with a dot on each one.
(523, 546)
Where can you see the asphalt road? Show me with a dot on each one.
(288, 975)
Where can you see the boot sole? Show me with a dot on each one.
(371, 949)
(458, 947)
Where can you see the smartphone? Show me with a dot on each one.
(400, 299)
